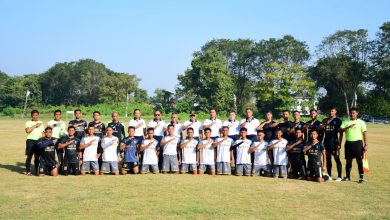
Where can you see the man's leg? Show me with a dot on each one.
(359, 162)
(348, 168)
(329, 163)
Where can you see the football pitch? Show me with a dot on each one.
(189, 197)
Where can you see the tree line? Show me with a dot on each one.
(347, 70)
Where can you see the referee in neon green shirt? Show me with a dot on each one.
(356, 131)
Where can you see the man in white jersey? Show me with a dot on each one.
(206, 154)
(159, 129)
(278, 146)
(243, 162)
(110, 160)
(178, 129)
(224, 152)
(213, 123)
(150, 149)
(90, 144)
(233, 125)
(260, 149)
(170, 148)
(139, 124)
(189, 153)
(251, 124)
(194, 124)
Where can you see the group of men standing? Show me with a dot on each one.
(244, 147)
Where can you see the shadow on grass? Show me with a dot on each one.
(17, 168)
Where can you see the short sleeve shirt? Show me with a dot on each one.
(356, 132)
(37, 132)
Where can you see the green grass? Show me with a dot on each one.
(188, 197)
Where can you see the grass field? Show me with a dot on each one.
(189, 197)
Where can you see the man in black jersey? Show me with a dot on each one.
(284, 125)
(332, 141)
(295, 150)
(79, 124)
(100, 128)
(266, 127)
(71, 145)
(47, 161)
(313, 124)
(296, 125)
(315, 151)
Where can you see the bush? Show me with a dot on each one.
(9, 111)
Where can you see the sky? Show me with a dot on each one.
(155, 40)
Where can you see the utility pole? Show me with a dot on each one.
(25, 103)
(127, 103)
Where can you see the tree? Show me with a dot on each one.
(277, 89)
(347, 51)
(207, 82)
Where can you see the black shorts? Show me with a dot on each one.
(31, 147)
(331, 147)
(129, 165)
(354, 149)
(46, 167)
(314, 171)
(72, 168)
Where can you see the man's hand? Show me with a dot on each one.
(365, 148)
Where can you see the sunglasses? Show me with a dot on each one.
(157, 115)
(192, 115)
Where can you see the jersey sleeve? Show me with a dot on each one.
(363, 127)
(344, 124)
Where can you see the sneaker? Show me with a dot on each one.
(361, 181)
(346, 179)
(28, 174)
(338, 179)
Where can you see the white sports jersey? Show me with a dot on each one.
(110, 145)
(234, 126)
(261, 153)
(215, 128)
(223, 150)
(243, 155)
(251, 125)
(189, 152)
(197, 126)
(207, 153)
(138, 131)
(90, 151)
(150, 153)
(171, 147)
(280, 154)
(158, 127)
(178, 129)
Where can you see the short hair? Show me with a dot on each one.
(34, 111)
(286, 111)
(223, 127)
(114, 113)
(150, 129)
(71, 127)
(249, 108)
(57, 111)
(131, 127)
(243, 129)
(332, 107)
(277, 130)
(313, 110)
(96, 112)
(91, 126)
(295, 111)
(232, 111)
(268, 111)
(213, 108)
(171, 125)
(77, 110)
(193, 112)
(207, 129)
(109, 127)
(136, 110)
(354, 109)
(158, 110)
(314, 131)
(298, 130)
(190, 129)
(48, 128)
(260, 131)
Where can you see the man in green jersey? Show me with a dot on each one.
(34, 129)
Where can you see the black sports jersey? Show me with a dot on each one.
(80, 130)
(314, 154)
(313, 127)
(71, 151)
(99, 130)
(291, 136)
(119, 129)
(285, 128)
(331, 130)
(48, 148)
(269, 132)
(298, 149)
